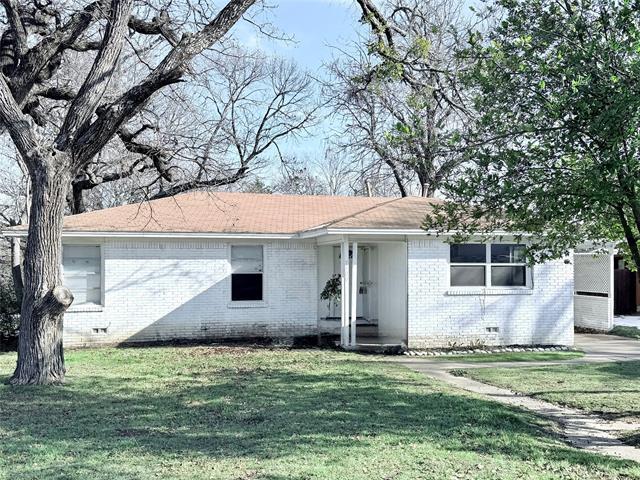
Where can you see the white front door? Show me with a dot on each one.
(365, 286)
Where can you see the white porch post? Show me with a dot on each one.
(354, 292)
(344, 288)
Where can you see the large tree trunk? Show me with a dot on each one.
(40, 354)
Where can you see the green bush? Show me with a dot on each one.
(9, 315)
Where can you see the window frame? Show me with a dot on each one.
(488, 264)
(88, 305)
(264, 267)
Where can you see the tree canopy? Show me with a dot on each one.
(555, 149)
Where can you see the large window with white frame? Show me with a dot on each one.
(247, 268)
(488, 265)
(82, 273)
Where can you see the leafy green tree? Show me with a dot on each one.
(556, 151)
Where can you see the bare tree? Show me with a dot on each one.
(37, 39)
(399, 94)
(209, 133)
(14, 201)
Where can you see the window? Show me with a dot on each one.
(246, 272)
(495, 265)
(82, 273)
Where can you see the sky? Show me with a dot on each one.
(315, 25)
(317, 28)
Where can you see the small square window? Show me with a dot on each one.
(469, 253)
(509, 276)
(246, 286)
(82, 273)
(246, 273)
(507, 253)
(467, 276)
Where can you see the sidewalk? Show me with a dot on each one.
(580, 429)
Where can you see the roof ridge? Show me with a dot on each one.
(368, 209)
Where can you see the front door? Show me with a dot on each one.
(364, 284)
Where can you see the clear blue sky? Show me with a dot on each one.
(317, 27)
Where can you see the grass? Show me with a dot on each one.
(623, 331)
(610, 389)
(236, 413)
(512, 357)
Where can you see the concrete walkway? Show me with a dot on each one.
(580, 429)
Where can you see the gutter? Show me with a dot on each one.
(308, 234)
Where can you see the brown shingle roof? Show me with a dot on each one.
(406, 213)
(225, 212)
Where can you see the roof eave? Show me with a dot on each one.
(200, 235)
(307, 234)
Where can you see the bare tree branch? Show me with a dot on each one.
(169, 71)
(85, 103)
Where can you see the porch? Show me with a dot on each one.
(370, 276)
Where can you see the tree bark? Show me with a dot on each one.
(76, 205)
(40, 352)
(630, 237)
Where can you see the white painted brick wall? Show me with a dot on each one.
(436, 318)
(163, 290)
(593, 312)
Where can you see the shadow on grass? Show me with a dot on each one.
(266, 413)
(287, 412)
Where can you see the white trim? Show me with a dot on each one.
(418, 231)
(488, 265)
(354, 293)
(238, 303)
(460, 291)
(344, 289)
(88, 307)
(249, 303)
(314, 233)
(85, 307)
(72, 234)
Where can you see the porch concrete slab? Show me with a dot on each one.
(627, 321)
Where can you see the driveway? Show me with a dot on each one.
(607, 348)
(626, 321)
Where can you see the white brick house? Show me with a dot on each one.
(232, 265)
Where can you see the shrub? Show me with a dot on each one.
(9, 315)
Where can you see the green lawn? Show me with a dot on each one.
(234, 413)
(512, 357)
(623, 331)
(612, 389)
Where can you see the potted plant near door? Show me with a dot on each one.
(332, 291)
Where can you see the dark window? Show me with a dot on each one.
(467, 276)
(468, 253)
(506, 263)
(246, 286)
(509, 276)
(246, 272)
(507, 253)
